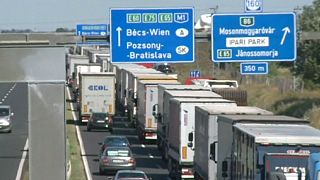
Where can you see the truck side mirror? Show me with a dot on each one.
(213, 151)
(190, 137)
(155, 110)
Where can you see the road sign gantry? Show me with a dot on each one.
(152, 35)
(254, 37)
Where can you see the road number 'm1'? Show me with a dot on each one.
(224, 53)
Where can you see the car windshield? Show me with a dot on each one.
(99, 116)
(131, 175)
(4, 111)
(116, 141)
(117, 152)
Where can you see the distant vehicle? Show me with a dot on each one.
(5, 119)
(116, 158)
(114, 141)
(97, 94)
(131, 175)
(99, 120)
(165, 68)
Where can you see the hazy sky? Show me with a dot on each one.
(47, 15)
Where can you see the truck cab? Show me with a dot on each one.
(314, 166)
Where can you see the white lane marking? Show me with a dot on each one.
(143, 146)
(5, 96)
(23, 158)
(82, 150)
(3, 99)
(0, 102)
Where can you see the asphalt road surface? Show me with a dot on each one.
(12, 144)
(147, 156)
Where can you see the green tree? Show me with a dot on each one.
(308, 61)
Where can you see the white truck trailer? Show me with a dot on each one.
(147, 97)
(161, 110)
(97, 94)
(249, 148)
(181, 124)
(259, 151)
(84, 68)
(70, 64)
(206, 133)
(133, 80)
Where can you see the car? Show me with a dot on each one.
(99, 120)
(114, 141)
(116, 158)
(5, 118)
(131, 175)
(165, 68)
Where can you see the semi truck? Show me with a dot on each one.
(206, 133)
(133, 80)
(250, 140)
(71, 61)
(83, 68)
(97, 94)
(181, 124)
(147, 97)
(228, 89)
(161, 110)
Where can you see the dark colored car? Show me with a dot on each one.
(99, 120)
(116, 158)
(114, 141)
(131, 175)
(165, 68)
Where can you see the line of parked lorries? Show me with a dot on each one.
(204, 130)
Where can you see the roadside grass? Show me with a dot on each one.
(77, 168)
(299, 104)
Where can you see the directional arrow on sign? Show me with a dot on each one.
(286, 31)
(119, 29)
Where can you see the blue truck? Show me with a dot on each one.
(314, 166)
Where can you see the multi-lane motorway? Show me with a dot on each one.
(12, 144)
(147, 155)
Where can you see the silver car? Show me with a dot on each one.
(5, 118)
(116, 158)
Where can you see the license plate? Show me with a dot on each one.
(118, 161)
(100, 121)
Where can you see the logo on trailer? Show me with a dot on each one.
(98, 88)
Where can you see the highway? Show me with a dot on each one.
(147, 155)
(12, 144)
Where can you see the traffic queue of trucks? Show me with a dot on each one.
(203, 131)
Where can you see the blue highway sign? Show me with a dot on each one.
(254, 37)
(152, 35)
(195, 74)
(254, 68)
(92, 30)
